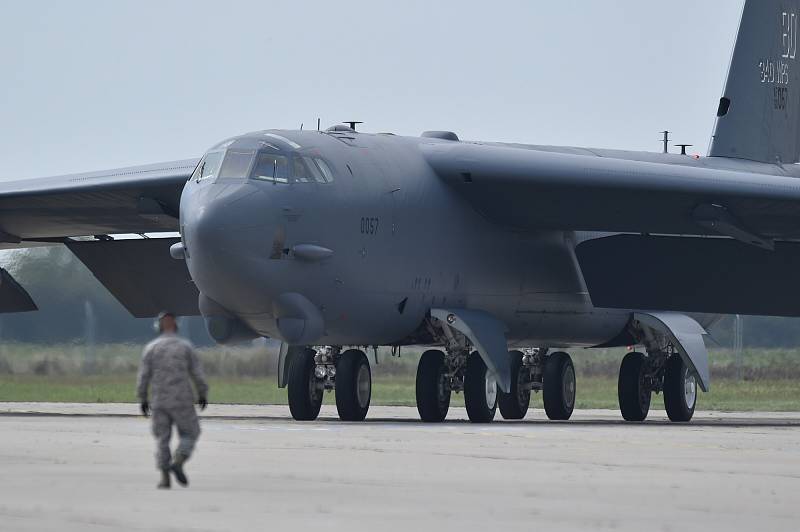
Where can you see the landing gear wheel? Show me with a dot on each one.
(632, 390)
(480, 390)
(558, 386)
(514, 405)
(433, 390)
(680, 390)
(353, 386)
(304, 389)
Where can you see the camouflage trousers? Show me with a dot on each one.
(188, 426)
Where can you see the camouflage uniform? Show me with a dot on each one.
(168, 364)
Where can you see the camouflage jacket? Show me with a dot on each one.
(168, 365)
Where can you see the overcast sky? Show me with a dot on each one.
(89, 85)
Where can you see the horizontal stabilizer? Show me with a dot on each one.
(13, 298)
(687, 274)
(141, 274)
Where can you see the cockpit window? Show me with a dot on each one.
(236, 163)
(325, 169)
(300, 173)
(285, 169)
(208, 166)
(316, 170)
(271, 167)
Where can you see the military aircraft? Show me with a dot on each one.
(496, 256)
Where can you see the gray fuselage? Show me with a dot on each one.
(397, 242)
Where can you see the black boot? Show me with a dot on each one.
(164, 484)
(177, 470)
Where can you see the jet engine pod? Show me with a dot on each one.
(299, 321)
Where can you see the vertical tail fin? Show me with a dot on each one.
(759, 113)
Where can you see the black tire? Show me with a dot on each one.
(558, 386)
(305, 396)
(514, 405)
(634, 396)
(680, 390)
(353, 386)
(433, 392)
(479, 399)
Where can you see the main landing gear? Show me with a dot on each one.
(440, 373)
(312, 372)
(535, 370)
(640, 375)
(433, 386)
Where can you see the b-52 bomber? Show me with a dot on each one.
(498, 257)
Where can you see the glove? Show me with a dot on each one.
(203, 402)
(145, 408)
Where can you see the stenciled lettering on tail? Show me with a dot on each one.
(775, 71)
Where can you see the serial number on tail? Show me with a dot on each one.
(780, 96)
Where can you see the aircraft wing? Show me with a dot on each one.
(137, 199)
(532, 190)
(140, 199)
(667, 260)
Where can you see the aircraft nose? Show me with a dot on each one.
(217, 224)
(203, 223)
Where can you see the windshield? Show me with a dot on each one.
(271, 167)
(208, 166)
(236, 164)
(294, 168)
(262, 161)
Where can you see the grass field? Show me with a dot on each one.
(593, 392)
(763, 379)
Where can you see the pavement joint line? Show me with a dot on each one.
(387, 416)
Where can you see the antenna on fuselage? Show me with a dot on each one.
(301, 126)
(665, 140)
(318, 120)
(352, 124)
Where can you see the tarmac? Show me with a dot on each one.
(80, 467)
